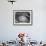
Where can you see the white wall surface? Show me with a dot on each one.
(38, 30)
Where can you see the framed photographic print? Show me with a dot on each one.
(22, 17)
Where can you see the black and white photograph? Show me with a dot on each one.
(22, 17)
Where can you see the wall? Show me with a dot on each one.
(37, 31)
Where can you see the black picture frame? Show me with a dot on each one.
(20, 13)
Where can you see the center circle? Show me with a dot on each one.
(22, 18)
